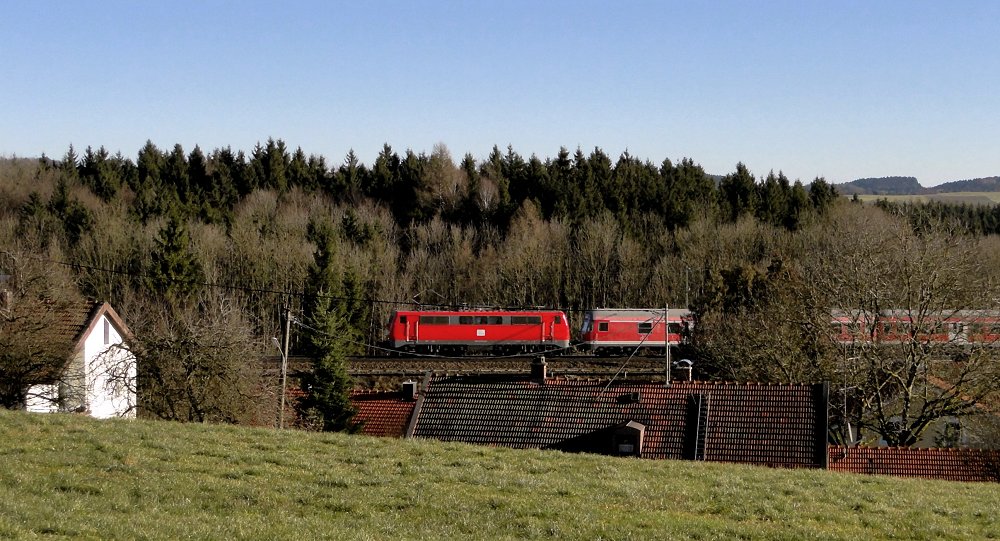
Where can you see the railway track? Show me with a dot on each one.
(576, 365)
(557, 366)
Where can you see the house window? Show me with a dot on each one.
(107, 332)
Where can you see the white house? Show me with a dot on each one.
(99, 377)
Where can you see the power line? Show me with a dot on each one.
(216, 285)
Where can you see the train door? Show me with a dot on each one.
(549, 329)
(409, 328)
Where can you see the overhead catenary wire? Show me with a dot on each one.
(636, 350)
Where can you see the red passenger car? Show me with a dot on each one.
(622, 330)
(959, 327)
(485, 330)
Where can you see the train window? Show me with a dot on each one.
(402, 319)
(645, 328)
(557, 320)
(466, 320)
(433, 320)
(602, 326)
(525, 320)
(494, 320)
(674, 328)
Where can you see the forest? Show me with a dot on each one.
(201, 252)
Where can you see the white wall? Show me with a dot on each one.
(109, 372)
(43, 398)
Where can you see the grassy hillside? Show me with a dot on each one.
(979, 198)
(68, 476)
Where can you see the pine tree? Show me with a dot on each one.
(738, 192)
(329, 336)
(175, 271)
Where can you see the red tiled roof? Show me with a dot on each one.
(778, 425)
(946, 464)
(382, 413)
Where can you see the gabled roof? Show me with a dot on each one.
(97, 310)
(779, 425)
(382, 413)
(62, 328)
(946, 464)
(69, 323)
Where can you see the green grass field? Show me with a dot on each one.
(65, 476)
(972, 198)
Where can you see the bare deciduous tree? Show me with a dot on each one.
(197, 364)
(909, 362)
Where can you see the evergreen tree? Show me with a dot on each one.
(69, 164)
(175, 271)
(70, 212)
(798, 207)
(148, 183)
(328, 337)
(384, 178)
(269, 166)
(176, 186)
(100, 173)
(822, 194)
(738, 192)
(774, 196)
(199, 182)
(348, 180)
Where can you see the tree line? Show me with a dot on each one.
(201, 252)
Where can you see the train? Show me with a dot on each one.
(623, 331)
(471, 331)
(957, 327)
(605, 331)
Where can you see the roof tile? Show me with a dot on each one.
(777, 425)
(382, 413)
(946, 464)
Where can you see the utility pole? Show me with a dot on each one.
(666, 339)
(284, 365)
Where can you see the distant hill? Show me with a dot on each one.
(986, 184)
(910, 186)
(881, 186)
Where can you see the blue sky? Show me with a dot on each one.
(842, 90)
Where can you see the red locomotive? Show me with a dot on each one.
(622, 331)
(504, 332)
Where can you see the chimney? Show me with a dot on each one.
(539, 369)
(409, 390)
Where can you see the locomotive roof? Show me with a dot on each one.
(641, 313)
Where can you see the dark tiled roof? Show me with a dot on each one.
(54, 329)
(64, 322)
(779, 425)
(382, 413)
(947, 464)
